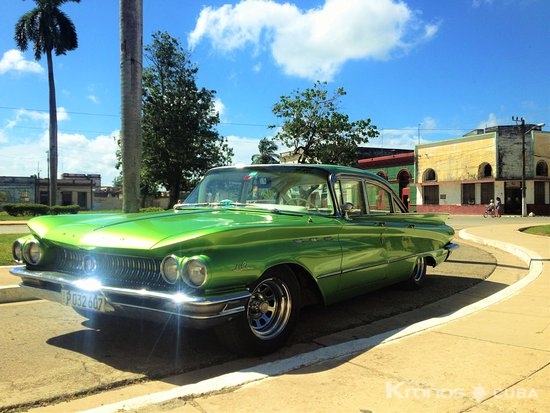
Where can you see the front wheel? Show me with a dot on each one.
(270, 316)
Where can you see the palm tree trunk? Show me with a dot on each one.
(131, 43)
(52, 188)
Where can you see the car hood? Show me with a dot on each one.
(147, 231)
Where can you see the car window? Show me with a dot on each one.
(295, 191)
(350, 191)
(380, 200)
(312, 196)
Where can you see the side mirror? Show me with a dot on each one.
(346, 208)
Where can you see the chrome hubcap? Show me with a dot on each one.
(269, 308)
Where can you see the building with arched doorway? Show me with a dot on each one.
(462, 175)
(397, 169)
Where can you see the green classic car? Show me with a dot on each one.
(243, 253)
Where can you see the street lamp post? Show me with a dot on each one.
(523, 133)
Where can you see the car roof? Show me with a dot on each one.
(330, 169)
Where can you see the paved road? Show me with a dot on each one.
(13, 228)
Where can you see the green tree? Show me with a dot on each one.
(316, 131)
(131, 57)
(179, 140)
(268, 152)
(50, 30)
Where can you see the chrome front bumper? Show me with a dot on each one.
(197, 312)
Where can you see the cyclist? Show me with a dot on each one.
(490, 210)
(498, 207)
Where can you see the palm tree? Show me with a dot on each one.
(131, 73)
(49, 29)
(267, 153)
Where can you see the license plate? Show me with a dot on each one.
(84, 300)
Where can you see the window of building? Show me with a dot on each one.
(431, 194)
(487, 192)
(485, 171)
(468, 194)
(542, 168)
(404, 177)
(83, 200)
(66, 198)
(44, 197)
(540, 195)
(429, 175)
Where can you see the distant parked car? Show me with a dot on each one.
(243, 253)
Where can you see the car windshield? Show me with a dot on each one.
(282, 189)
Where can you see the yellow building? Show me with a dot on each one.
(462, 175)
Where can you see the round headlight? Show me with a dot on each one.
(195, 272)
(32, 252)
(17, 251)
(169, 268)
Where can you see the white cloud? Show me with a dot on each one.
(491, 120)
(313, 43)
(76, 154)
(14, 61)
(25, 143)
(428, 124)
(395, 138)
(79, 154)
(25, 115)
(219, 107)
(244, 148)
(480, 3)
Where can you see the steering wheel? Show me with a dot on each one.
(302, 202)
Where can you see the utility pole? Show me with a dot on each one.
(521, 122)
(131, 57)
(524, 132)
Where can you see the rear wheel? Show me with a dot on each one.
(270, 315)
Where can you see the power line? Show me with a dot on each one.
(69, 112)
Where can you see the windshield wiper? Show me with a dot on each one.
(222, 203)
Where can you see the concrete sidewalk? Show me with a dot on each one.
(490, 356)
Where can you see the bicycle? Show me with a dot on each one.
(489, 211)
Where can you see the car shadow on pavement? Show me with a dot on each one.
(155, 351)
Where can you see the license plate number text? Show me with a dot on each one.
(84, 300)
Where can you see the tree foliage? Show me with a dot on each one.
(50, 30)
(268, 152)
(316, 131)
(179, 140)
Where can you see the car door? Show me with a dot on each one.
(398, 235)
(364, 257)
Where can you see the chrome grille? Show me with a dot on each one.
(113, 270)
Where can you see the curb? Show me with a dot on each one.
(14, 294)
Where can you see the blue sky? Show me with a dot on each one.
(433, 69)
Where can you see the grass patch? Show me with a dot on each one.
(539, 230)
(4, 216)
(6, 241)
